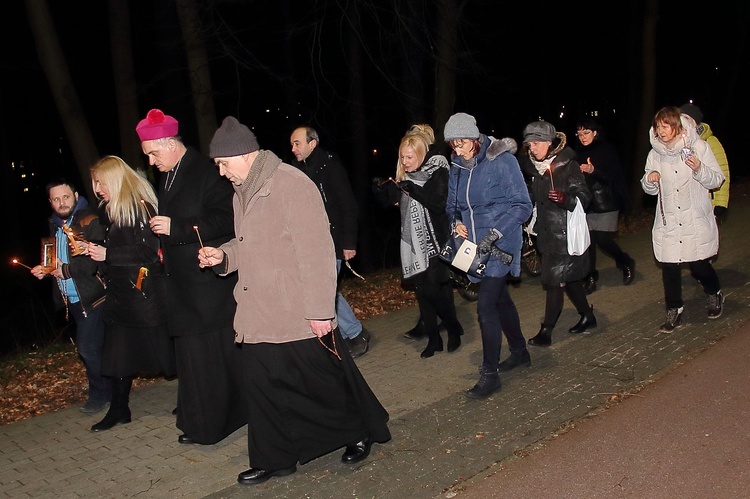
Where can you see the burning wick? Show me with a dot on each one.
(143, 201)
(552, 181)
(195, 228)
(15, 261)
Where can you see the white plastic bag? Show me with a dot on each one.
(578, 230)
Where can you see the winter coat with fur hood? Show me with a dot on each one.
(488, 192)
(687, 232)
(552, 219)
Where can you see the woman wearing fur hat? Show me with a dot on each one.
(556, 184)
(488, 203)
(420, 189)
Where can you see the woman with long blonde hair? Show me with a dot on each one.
(136, 338)
(422, 179)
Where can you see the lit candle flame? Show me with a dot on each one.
(17, 262)
(195, 228)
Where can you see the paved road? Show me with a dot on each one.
(445, 444)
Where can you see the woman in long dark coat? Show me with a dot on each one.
(556, 182)
(136, 338)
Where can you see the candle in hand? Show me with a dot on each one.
(17, 262)
(143, 202)
(195, 228)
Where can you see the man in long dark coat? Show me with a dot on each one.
(195, 208)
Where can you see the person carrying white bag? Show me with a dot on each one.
(559, 190)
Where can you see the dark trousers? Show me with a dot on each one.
(606, 242)
(671, 276)
(555, 298)
(90, 342)
(497, 315)
(435, 300)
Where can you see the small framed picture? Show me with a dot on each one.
(49, 253)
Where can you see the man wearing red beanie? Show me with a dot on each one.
(195, 208)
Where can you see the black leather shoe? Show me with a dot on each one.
(417, 332)
(588, 321)
(543, 338)
(357, 452)
(516, 359)
(255, 475)
(628, 272)
(185, 439)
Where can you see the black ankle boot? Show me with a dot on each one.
(435, 344)
(588, 321)
(589, 284)
(628, 271)
(516, 359)
(489, 382)
(543, 338)
(454, 337)
(119, 412)
(416, 332)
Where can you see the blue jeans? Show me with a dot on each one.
(349, 325)
(90, 342)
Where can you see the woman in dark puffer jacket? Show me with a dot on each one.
(556, 183)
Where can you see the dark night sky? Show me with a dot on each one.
(520, 61)
(275, 69)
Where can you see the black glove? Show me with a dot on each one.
(501, 255)
(558, 197)
(719, 211)
(406, 185)
(486, 244)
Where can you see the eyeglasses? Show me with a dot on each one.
(584, 133)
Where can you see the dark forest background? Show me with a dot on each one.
(78, 76)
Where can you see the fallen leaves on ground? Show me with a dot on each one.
(49, 379)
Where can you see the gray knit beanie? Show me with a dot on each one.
(461, 126)
(232, 139)
(539, 131)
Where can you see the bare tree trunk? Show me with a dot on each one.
(648, 93)
(200, 74)
(445, 66)
(126, 95)
(359, 176)
(66, 99)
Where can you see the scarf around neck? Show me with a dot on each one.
(418, 239)
(263, 167)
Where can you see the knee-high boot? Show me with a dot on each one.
(119, 412)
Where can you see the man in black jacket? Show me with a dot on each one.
(195, 208)
(329, 175)
(81, 290)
